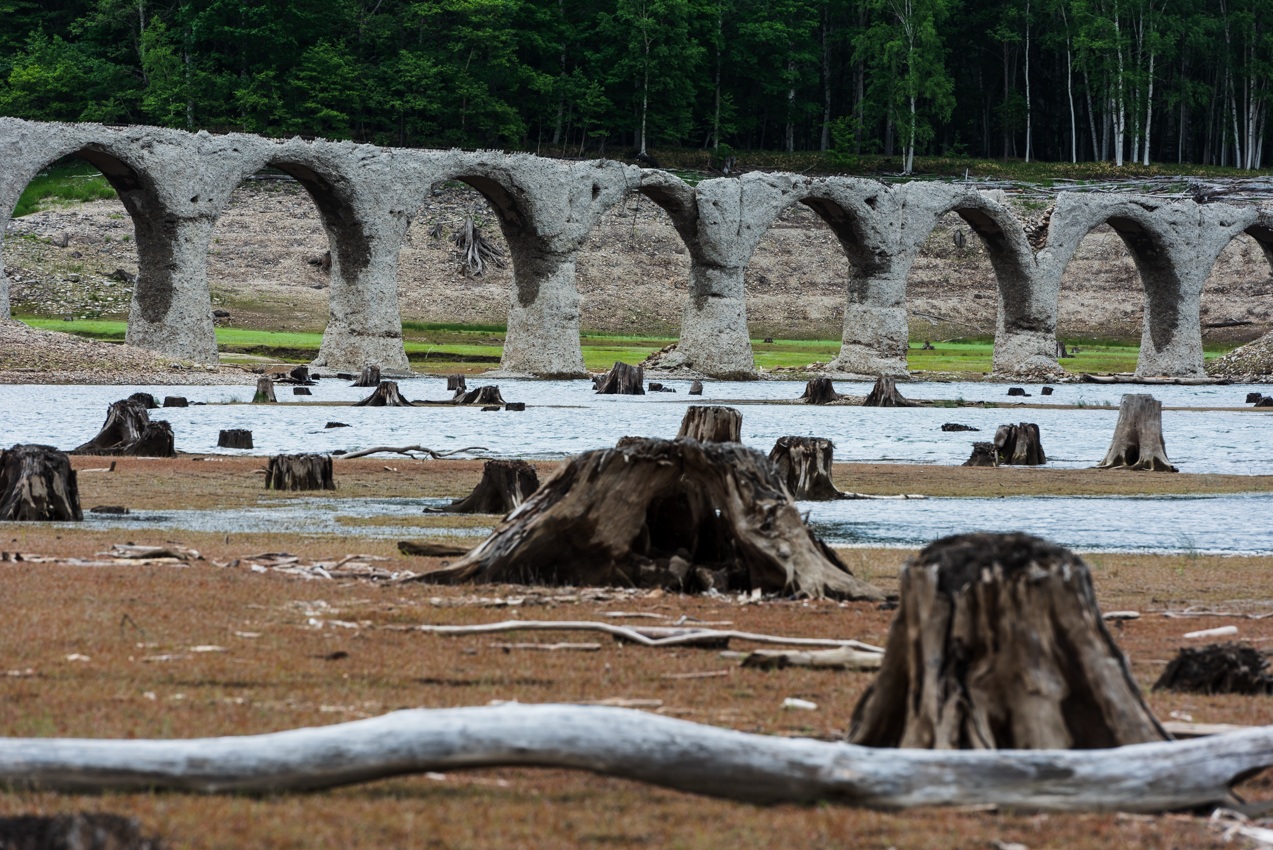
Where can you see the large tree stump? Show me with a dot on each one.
(456, 383)
(660, 513)
(1019, 445)
(712, 424)
(235, 438)
(820, 391)
(299, 472)
(481, 395)
(38, 483)
(264, 391)
(696, 388)
(885, 394)
(129, 431)
(804, 465)
(505, 484)
(623, 379)
(79, 831)
(386, 395)
(298, 375)
(368, 377)
(998, 644)
(1138, 442)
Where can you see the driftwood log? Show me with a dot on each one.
(804, 465)
(712, 424)
(505, 485)
(37, 483)
(623, 379)
(998, 644)
(264, 391)
(235, 438)
(299, 472)
(679, 514)
(430, 549)
(129, 431)
(1019, 445)
(1219, 668)
(481, 395)
(456, 383)
(368, 377)
(820, 391)
(663, 751)
(885, 394)
(1138, 441)
(386, 395)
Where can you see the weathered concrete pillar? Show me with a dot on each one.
(875, 335)
(543, 317)
(714, 338)
(172, 309)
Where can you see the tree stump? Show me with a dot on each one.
(78, 831)
(299, 472)
(38, 483)
(820, 391)
(661, 513)
(235, 438)
(1219, 668)
(1254, 398)
(481, 395)
(301, 391)
(296, 375)
(175, 401)
(146, 400)
(505, 484)
(955, 426)
(998, 644)
(696, 388)
(386, 395)
(264, 391)
(804, 465)
(368, 377)
(983, 454)
(885, 394)
(712, 424)
(1138, 442)
(1018, 445)
(456, 383)
(129, 431)
(1267, 401)
(623, 379)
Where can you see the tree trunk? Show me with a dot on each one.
(299, 472)
(661, 513)
(712, 424)
(129, 431)
(623, 379)
(1018, 445)
(456, 384)
(804, 465)
(386, 395)
(368, 377)
(297, 375)
(481, 395)
(38, 483)
(820, 391)
(983, 454)
(264, 391)
(235, 438)
(885, 394)
(175, 401)
(505, 484)
(998, 644)
(1138, 441)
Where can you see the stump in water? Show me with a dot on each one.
(998, 644)
(301, 391)
(386, 395)
(820, 391)
(1220, 668)
(368, 377)
(235, 438)
(297, 375)
(129, 431)
(455, 383)
(481, 395)
(38, 483)
(696, 388)
(175, 401)
(299, 472)
(1138, 442)
(712, 424)
(1018, 445)
(661, 513)
(146, 400)
(505, 484)
(804, 465)
(983, 454)
(623, 379)
(955, 426)
(264, 391)
(885, 394)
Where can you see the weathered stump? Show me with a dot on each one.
(299, 472)
(998, 644)
(1019, 445)
(696, 388)
(820, 391)
(885, 394)
(456, 383)
(1020, 391)
(712, 424)
(804, 465)
(983, 454)
(1218, 668)
(1267, 401)
(301, 391)
(368, 377)
(386, 395)
(264, 391)
(624, 442)
(955, 426)
(1254, 398)
(78, 831)
(129, 431)
(481, 395)
(296, 375)
(175, 401)
(38, 483)
(1138, 441)
(661, 513)
(146, 400)
(505, 484)
(623, 379)
(235, 438)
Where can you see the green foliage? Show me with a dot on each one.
(67, 181)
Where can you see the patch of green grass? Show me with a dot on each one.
(68, 180)
(452, 326)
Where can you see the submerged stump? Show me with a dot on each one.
(386, 395)
(264, 391)
(1019, 445)
(481, 395)
(1138, 441)
(712, 424)
(128, 431)
(38, 483)
(998, 644)
(820, 391)
(623, 379)
(299, 472)
(235, 438)
(505, 484)
(456, 383)
(661, 513)
(983, 454)
(885, 394)
(804, 465)
(368, 377)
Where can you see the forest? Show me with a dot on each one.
(1118, 81)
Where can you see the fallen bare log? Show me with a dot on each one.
(386, 395)
(840, 658)
(300, 472)
(623, 379)
(712, 424)
(407, 450)
(649, 748)
(429, 549)
(1138, 441)
(37, 483)
(505, 485)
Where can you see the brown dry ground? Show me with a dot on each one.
(289, 675)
